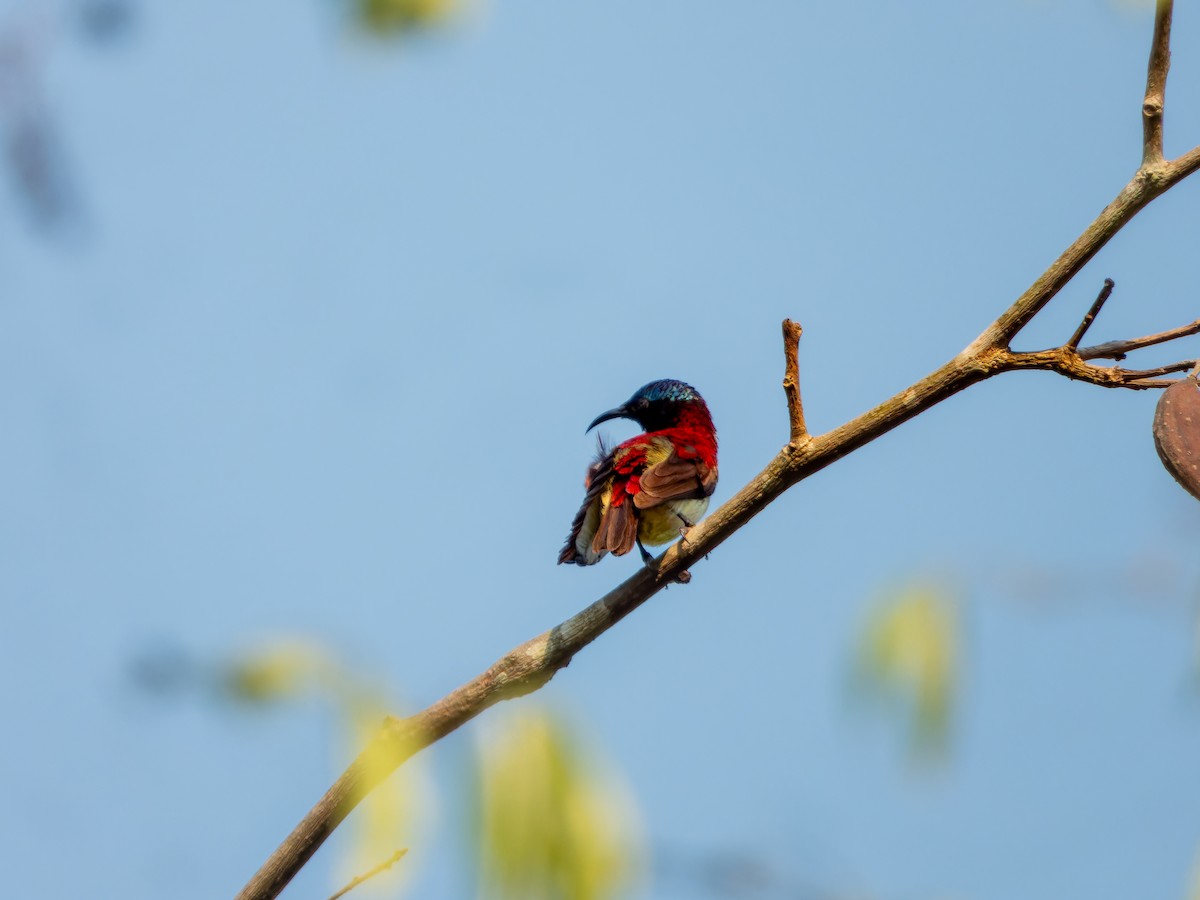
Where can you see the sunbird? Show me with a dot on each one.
(653, 487)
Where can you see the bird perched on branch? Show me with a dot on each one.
(653, 487)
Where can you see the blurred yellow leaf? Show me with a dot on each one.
(388, 818)
(553, 823)
(909, 652)
(392, 815)
(282, 670)
(391, 16)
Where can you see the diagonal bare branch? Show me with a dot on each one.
(534, 663)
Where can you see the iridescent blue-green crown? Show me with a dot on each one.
(667, 389)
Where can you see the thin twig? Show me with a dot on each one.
(791, 380)
(1134, 375)
(1154, 383)
(1118, 350)
(1069, 363)
(1156, 85)
(359, 879)
(1105, 293)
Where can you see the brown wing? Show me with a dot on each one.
(617, 532)
(599, 473)
(675, 479)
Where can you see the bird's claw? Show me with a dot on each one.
(685, 527)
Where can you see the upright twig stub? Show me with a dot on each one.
(1156, 85)
(1105, 293)
(791, 380)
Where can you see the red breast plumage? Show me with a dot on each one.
(652, 487)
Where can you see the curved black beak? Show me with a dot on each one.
(621, 412)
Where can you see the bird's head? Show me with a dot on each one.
(658, 405)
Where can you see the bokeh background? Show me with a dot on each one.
(304, 307)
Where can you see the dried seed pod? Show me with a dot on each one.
(1177, 433)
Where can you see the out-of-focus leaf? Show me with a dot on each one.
(36, 161)
(909, 654)
(392, 16)
(166, 670)
(553, 823)
(103, 21)
(388, 817)
(280, 671)
(392, 815)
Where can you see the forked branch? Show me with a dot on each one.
(1072, 362)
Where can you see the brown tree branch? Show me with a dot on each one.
(1156, 85)
(1072, 362)
(1118, 350)
(1067, 362)
(791, 380)
(1101, 299)
(1185, 165)
(1153, 178)
(534, 663)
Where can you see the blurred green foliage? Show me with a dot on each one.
(280, 671)
(909, 655)
(551, 823)
(293, 670)
(392, 16)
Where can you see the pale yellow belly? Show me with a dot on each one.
(662, 524)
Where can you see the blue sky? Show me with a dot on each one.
(322, 364)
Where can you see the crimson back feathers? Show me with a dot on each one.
(653, 487)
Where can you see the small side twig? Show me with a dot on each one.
(359, 879)
(1105, 293)
(1137, 376)
(791, 380)
(1073, 362)
(1067, 362)
(1117, 350)
(1156, 85)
